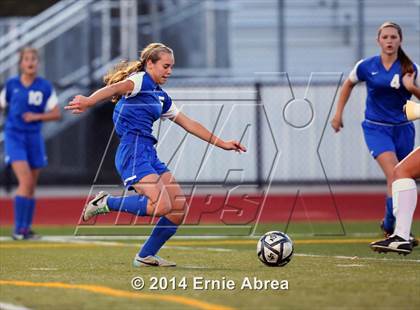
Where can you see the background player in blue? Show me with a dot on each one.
(29, 100)
(391, 79)
(141, 102)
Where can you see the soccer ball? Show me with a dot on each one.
(275, 249)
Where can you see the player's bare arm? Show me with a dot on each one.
(337, 121)
(80, 103)
(410, 85)
(203, 133)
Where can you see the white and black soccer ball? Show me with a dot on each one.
(275, 248)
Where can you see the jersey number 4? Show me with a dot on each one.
(395, 82)
(35, 98)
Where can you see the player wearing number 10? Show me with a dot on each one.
(29, 100)
(391, 79)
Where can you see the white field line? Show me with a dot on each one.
(120, 244)
(187, 248)
(135, 245)
(79, 238)
(355, 258)
(91, 238)
(6, 306)
(58, 239)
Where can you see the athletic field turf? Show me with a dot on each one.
(327, 271)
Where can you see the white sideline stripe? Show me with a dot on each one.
(350, 265)
(135, 245)
(66, 239)
(5, 306)
(120, 244)
(90, 238)
(198, 248)
(79, 238)
(358, 258)
(145, 237)
(195, 267)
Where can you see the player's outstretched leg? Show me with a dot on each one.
(104, 203)
(97, 205)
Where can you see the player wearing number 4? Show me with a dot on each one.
(391, 79)
(29, 100)
(141, 102)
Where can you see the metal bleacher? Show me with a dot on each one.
(319, 35)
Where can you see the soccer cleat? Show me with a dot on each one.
(96, 206)
(387, 232)
(152, 261)
(392, 244)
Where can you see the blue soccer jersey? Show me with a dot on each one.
(23, 140)
(133, 117)
(136, 112)
(39, 97)
(386, 94)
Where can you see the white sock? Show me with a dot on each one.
(404, 200)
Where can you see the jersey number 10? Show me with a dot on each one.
(35, 98)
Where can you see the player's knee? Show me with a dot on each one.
(163, 207)
(31, 188)
(400, 172)
(27, 185)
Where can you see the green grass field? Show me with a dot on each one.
(326, 272)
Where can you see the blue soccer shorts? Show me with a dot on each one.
(135, 160)
(26, 146)
(382, 138)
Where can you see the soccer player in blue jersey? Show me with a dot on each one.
(29, 101)
(140, 102)
(391, 79)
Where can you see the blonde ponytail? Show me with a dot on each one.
(124, 69)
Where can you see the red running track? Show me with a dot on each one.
(219, 209)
